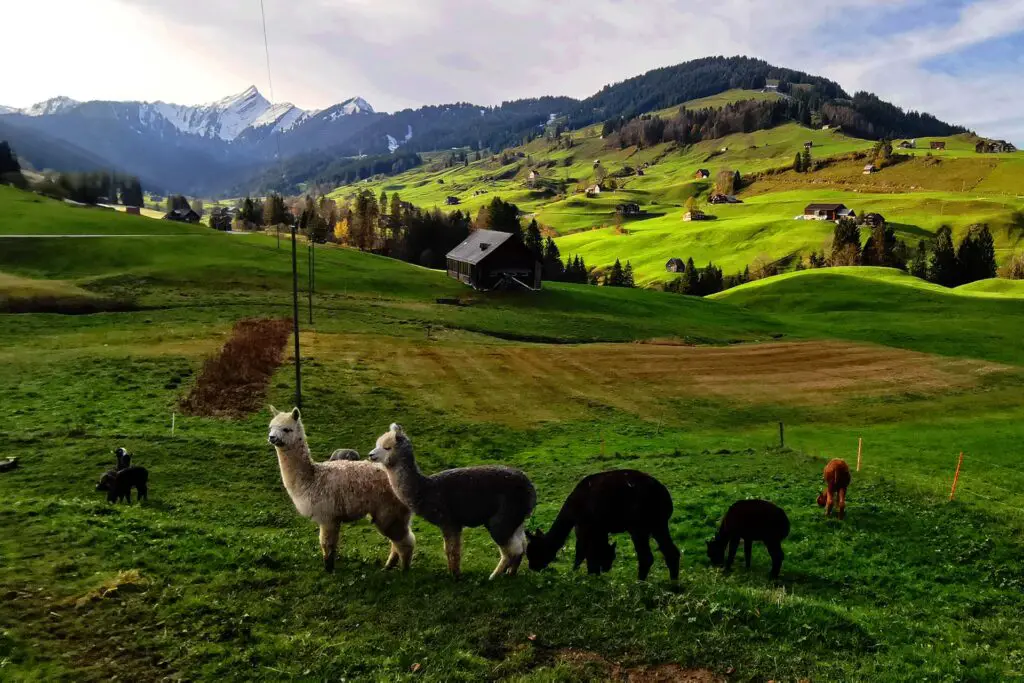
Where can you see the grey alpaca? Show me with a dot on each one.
(492, 496)
(343, 454)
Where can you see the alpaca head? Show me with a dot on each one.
(106, 482)
(716, 551)
(286, 429)
(604, 553)
(393, 448)
(539, 551)
(822, 499)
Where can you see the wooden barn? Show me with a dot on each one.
(675, 265)
(826, 212)
(489, 259)
(937, 144)
(182, 216)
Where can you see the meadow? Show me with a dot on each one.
(216, 576)
(955, 186)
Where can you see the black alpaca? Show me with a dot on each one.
(610, 503)
(751, 520)
(118, 484)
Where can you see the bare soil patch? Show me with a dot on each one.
(594, 664)
(234, 381)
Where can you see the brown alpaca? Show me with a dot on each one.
(837, 478)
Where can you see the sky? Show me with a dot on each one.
(962, 60)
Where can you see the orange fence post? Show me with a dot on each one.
(956, 476)
(860, 446)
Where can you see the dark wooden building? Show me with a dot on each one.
(827, 212)
(489, 259)
(182, 216)
(675, 265)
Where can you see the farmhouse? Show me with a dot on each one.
(826, 212)
(869, 169)
(808, 144)
(534, 176)
(489, 259)
(675, 265)
(182, 216)
(694, 215)
(994, 147)
(874, 220)
(451, 201)
(593, 190)
(628, 209)
(938, 144)
(908, 144)
(702, 173)
(719, 198)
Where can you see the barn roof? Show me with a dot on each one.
(824, 207)
(479, 244)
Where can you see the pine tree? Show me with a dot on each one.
(8, 160)
(627, 276)
(737, 182)
(396, 207)
(691, 278)
(552, 261)
(614, 277)
(805, 160)
(976, 256)
(919, 261)
(534, 242)
(846, 249)
(798, 163)
(942, 268)
(382, 203)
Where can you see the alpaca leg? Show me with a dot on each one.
(502, 563)
(517, 549)
(842, 503)
(405, 547)
(453, 549)
(748, 545)
(329, 544)
(581, 551)
(829, 502)
(595, 541)
(668, 550)
(734, 544)
(775, 550)
(644, 556)
(392, 557)
(143, 492)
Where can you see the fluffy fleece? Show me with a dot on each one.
(332, 493)
(343, 454)
(609, 503)
(495, 497)
(837, 478)
(118, 484)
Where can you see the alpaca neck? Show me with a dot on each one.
(409, 483)
(296, 465)
(559, 532)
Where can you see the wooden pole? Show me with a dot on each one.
(295, 322)
(956, 477)
(172, 424)
(860, 447)
(309, 287)
(782, 435)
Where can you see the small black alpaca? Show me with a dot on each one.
(751, 520)
(118, 484)
(610, 503)
(124, 459)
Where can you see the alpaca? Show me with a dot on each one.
(344, 454)
(118, 484)
(332, 493)
(837, 478)
(496, 497)
(751, 520)
(609, 503)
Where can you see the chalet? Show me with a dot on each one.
(597, 162)
(694, 215)
(534, 176)
(593, 190)
(826, 212)
(719, 198)
(489, 259)
(675, 265)
(908, 144)
(702, 173)
(808, 144)
(451, 201)
(993, 147)
(938, 144)
(628, 209)
(133, 210)
(869, 169)
(182, 216)
(874, 220)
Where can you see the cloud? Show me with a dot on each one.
(401, 54)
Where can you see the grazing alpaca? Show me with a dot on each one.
(609, 503)
(331, 493)
(751, 520)
(837, 478)
(344, 454)
(118, 484)
(496, 497)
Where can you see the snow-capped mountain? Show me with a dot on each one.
(226, 118)
(8, 110)
(356, 105)
(54, 105)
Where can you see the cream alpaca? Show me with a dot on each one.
(331, 493)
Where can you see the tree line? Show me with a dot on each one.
(90, 187)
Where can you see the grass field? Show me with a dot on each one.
(216, 576)
(955, 186)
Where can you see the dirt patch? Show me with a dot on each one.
(552, 382)
(594, 664)
(234, 381)
(125, 582)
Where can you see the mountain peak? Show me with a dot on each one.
(54, 105)
(356, 105)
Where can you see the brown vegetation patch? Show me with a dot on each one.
(523, 384)
(235, 380)
(594, 664)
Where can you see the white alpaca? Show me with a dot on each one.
(331, 493)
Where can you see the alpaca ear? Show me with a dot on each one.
(296, 415)
(273, 410)
(397, 429)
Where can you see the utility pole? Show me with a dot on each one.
(295, 322)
